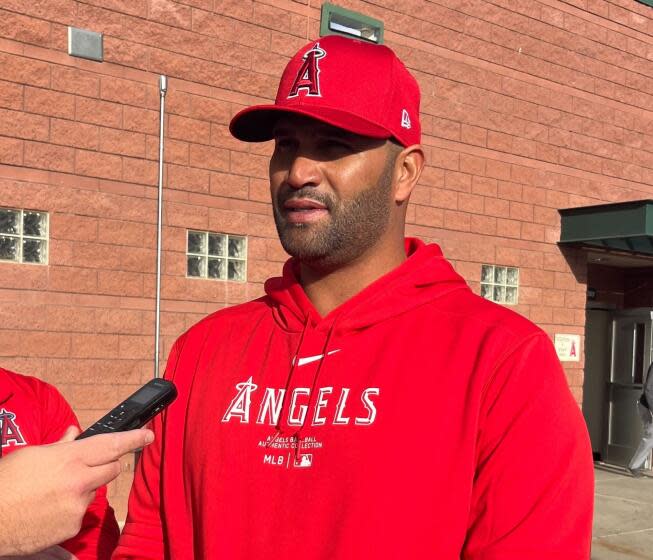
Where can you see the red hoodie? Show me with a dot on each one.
(33, 412)
(432, 424)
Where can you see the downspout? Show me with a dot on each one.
(163, 88)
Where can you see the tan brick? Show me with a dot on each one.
(24, 70)
(171, 13)
(259, 190)
(100, 20)
(117, 282)
(470, 203)
(24, 125)
(121, 232)
(484, 186)
(126, 53)
(508, 228)
(472, 164)
(187, 216)
(233, 54)
(75, 80)
(429, 216)
(73, 227)
(22, 316)
(474, 135)
(51, 103)
(46, 344)
(232, 186)
(510, 191)
(458, 181)
(532, 232)
(174, 151)
(23, 28)
(497, 169)
(98, 112)
(191, 130)
(249, 165)
(206, 157)
(261, 225)
(140, 171)
(122, 142)
(444, 198)
(49, 156)
(92, 397)
(76, 134)
(92, 371)
(94, 164)
(136, 347)
(214, 110)
(128, 92)
(228, 221)
(120, 321)
(137, 259)
(69, 319)
(460, 221)
(188, 178)
(499, 141)
(521, 211)
(140, 120)
(220, 136)
(11, 95)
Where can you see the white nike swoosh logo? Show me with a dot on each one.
(309, 359)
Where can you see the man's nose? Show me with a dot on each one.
(304, 172)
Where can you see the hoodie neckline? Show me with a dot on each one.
(423, 276)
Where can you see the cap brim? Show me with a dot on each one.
(256, 124)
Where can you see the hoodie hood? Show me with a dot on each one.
(424, 276)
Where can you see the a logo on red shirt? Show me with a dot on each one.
(9, 429)
(308, 76)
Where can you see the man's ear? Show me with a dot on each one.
(408, 168)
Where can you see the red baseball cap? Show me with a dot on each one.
(357, 86)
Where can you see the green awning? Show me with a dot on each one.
(623, 226)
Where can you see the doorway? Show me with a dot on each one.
(630, 358)
(618, 351)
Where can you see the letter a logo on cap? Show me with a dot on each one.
(308, 77)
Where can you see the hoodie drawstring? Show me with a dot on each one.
(325, 350)
(284, 399)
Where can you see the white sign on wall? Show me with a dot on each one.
(567, 347)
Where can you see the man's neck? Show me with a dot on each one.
(329, 290)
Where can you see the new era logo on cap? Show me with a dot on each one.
(354, 85)
(405, 119)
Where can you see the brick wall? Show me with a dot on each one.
(528, 106)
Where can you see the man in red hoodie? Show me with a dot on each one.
(369, 405)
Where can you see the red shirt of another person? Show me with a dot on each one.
(33, 412)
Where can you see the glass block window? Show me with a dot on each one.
(23, 236)
(500, 283)
(216, 255)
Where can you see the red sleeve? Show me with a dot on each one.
(99, 533)
(533, 493)
(142, 536)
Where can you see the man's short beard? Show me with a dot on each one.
(351, 229)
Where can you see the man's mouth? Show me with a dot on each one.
(304, 210)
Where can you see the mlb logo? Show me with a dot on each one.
(304, 461)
